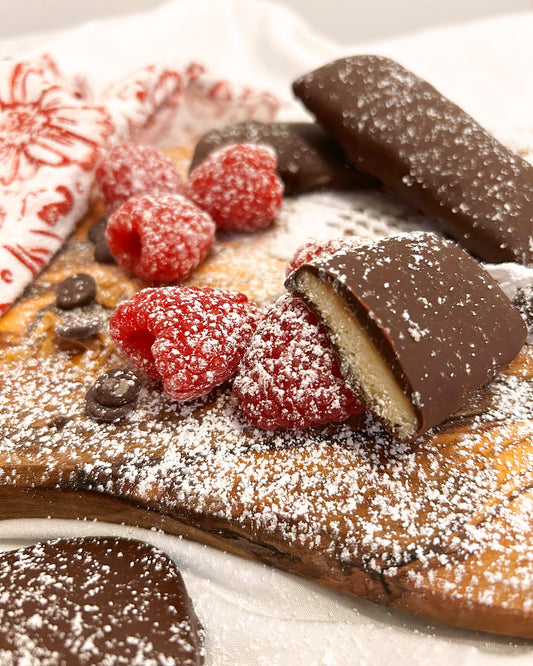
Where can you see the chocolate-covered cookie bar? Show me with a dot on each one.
(308, 159)
(96, 600)
(400, 129)
(417, 322)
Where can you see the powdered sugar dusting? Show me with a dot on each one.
(337, 503)
(364, 214)
(350, 496)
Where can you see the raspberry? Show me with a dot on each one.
(129, 169)
(238, 186)
(160, 237)
(315, 249)
(191, 338)
(289, 377)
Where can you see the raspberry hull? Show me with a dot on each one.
(289, 376)
(190, 338)
(161, 238)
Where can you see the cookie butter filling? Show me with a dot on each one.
(365, 370)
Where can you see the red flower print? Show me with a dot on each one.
(43, 124)
(143, 103)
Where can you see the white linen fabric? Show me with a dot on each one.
(257, 616)
(55, 129)
(252, 613)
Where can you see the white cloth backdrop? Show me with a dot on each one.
(254, 615)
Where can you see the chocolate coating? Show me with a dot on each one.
(401, 130)
(308, 159)
(95, 601)
(437, 319)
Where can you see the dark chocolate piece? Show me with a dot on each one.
(401, 130)
(106, 413)
(308, 159)
(96, 234)
(417, 322)
(77, 290)
(79, 328)
(97, 229)
(116, 387)
(95, 601)
(102, 253)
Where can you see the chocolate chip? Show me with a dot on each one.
(105, 413)
(96, 234)
(76, 290)
(102, 253)
(80, 329)
(117, 387)
(97, 230)
(523, 302)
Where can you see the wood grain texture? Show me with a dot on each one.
(441, 528)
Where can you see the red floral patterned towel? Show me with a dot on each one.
(54, 130)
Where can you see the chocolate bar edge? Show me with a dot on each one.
(373, 159)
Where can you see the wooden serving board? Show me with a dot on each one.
(441, 528)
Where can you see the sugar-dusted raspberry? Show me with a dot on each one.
(192, 338)
(238, 186)
(289, 376)
(160, 237)
(314, 249)
(129, 169)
